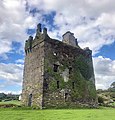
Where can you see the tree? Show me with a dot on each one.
(113, 85)
(2, 96)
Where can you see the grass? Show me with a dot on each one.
(61, 114)
(15, 102)
(22, 113)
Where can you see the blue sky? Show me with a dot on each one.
(91, 21)
(107, 51)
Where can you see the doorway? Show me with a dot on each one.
(30, 100)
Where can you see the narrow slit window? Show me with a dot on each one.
(30, 100)
(46, 85)
(73, 85)
(70, 70)
(57, 84)
(55, 68)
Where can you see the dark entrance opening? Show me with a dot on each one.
(66, 96)
(70, 70)
(55, 68)
(30, 100)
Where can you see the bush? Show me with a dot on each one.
(7, 105)
(5, 100)
(100, 100)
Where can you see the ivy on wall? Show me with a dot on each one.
(83, 66)
(80, 75)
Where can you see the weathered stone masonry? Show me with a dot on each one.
(57, 74)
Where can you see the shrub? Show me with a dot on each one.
(100, 100)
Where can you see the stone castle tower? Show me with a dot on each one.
(57, 74)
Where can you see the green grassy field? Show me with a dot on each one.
(64, 114)
(15, 102)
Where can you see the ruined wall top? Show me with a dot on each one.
(88, 51)
(69, 39)
(39, 31)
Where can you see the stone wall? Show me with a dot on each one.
(75, 63)
(32, 92)
(69, 39)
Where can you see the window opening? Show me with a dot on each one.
(66, 96)
(70, 70)
(55, 68)
(30, 100)
(45, 84)
(57, 84)
(73, 85)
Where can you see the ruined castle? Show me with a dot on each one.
(57, 74)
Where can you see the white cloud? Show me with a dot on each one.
(104, 72)
(11, 73)
(14, 21)
(5, 46)
(75, 7)
(10, 92)
(21, 61)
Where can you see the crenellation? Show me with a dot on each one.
(28, 44)
(39, 29)
(45, 31)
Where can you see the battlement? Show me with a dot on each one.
(39, 36)
(67, 39)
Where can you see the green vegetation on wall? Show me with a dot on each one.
(81, 63)
(80, 75)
